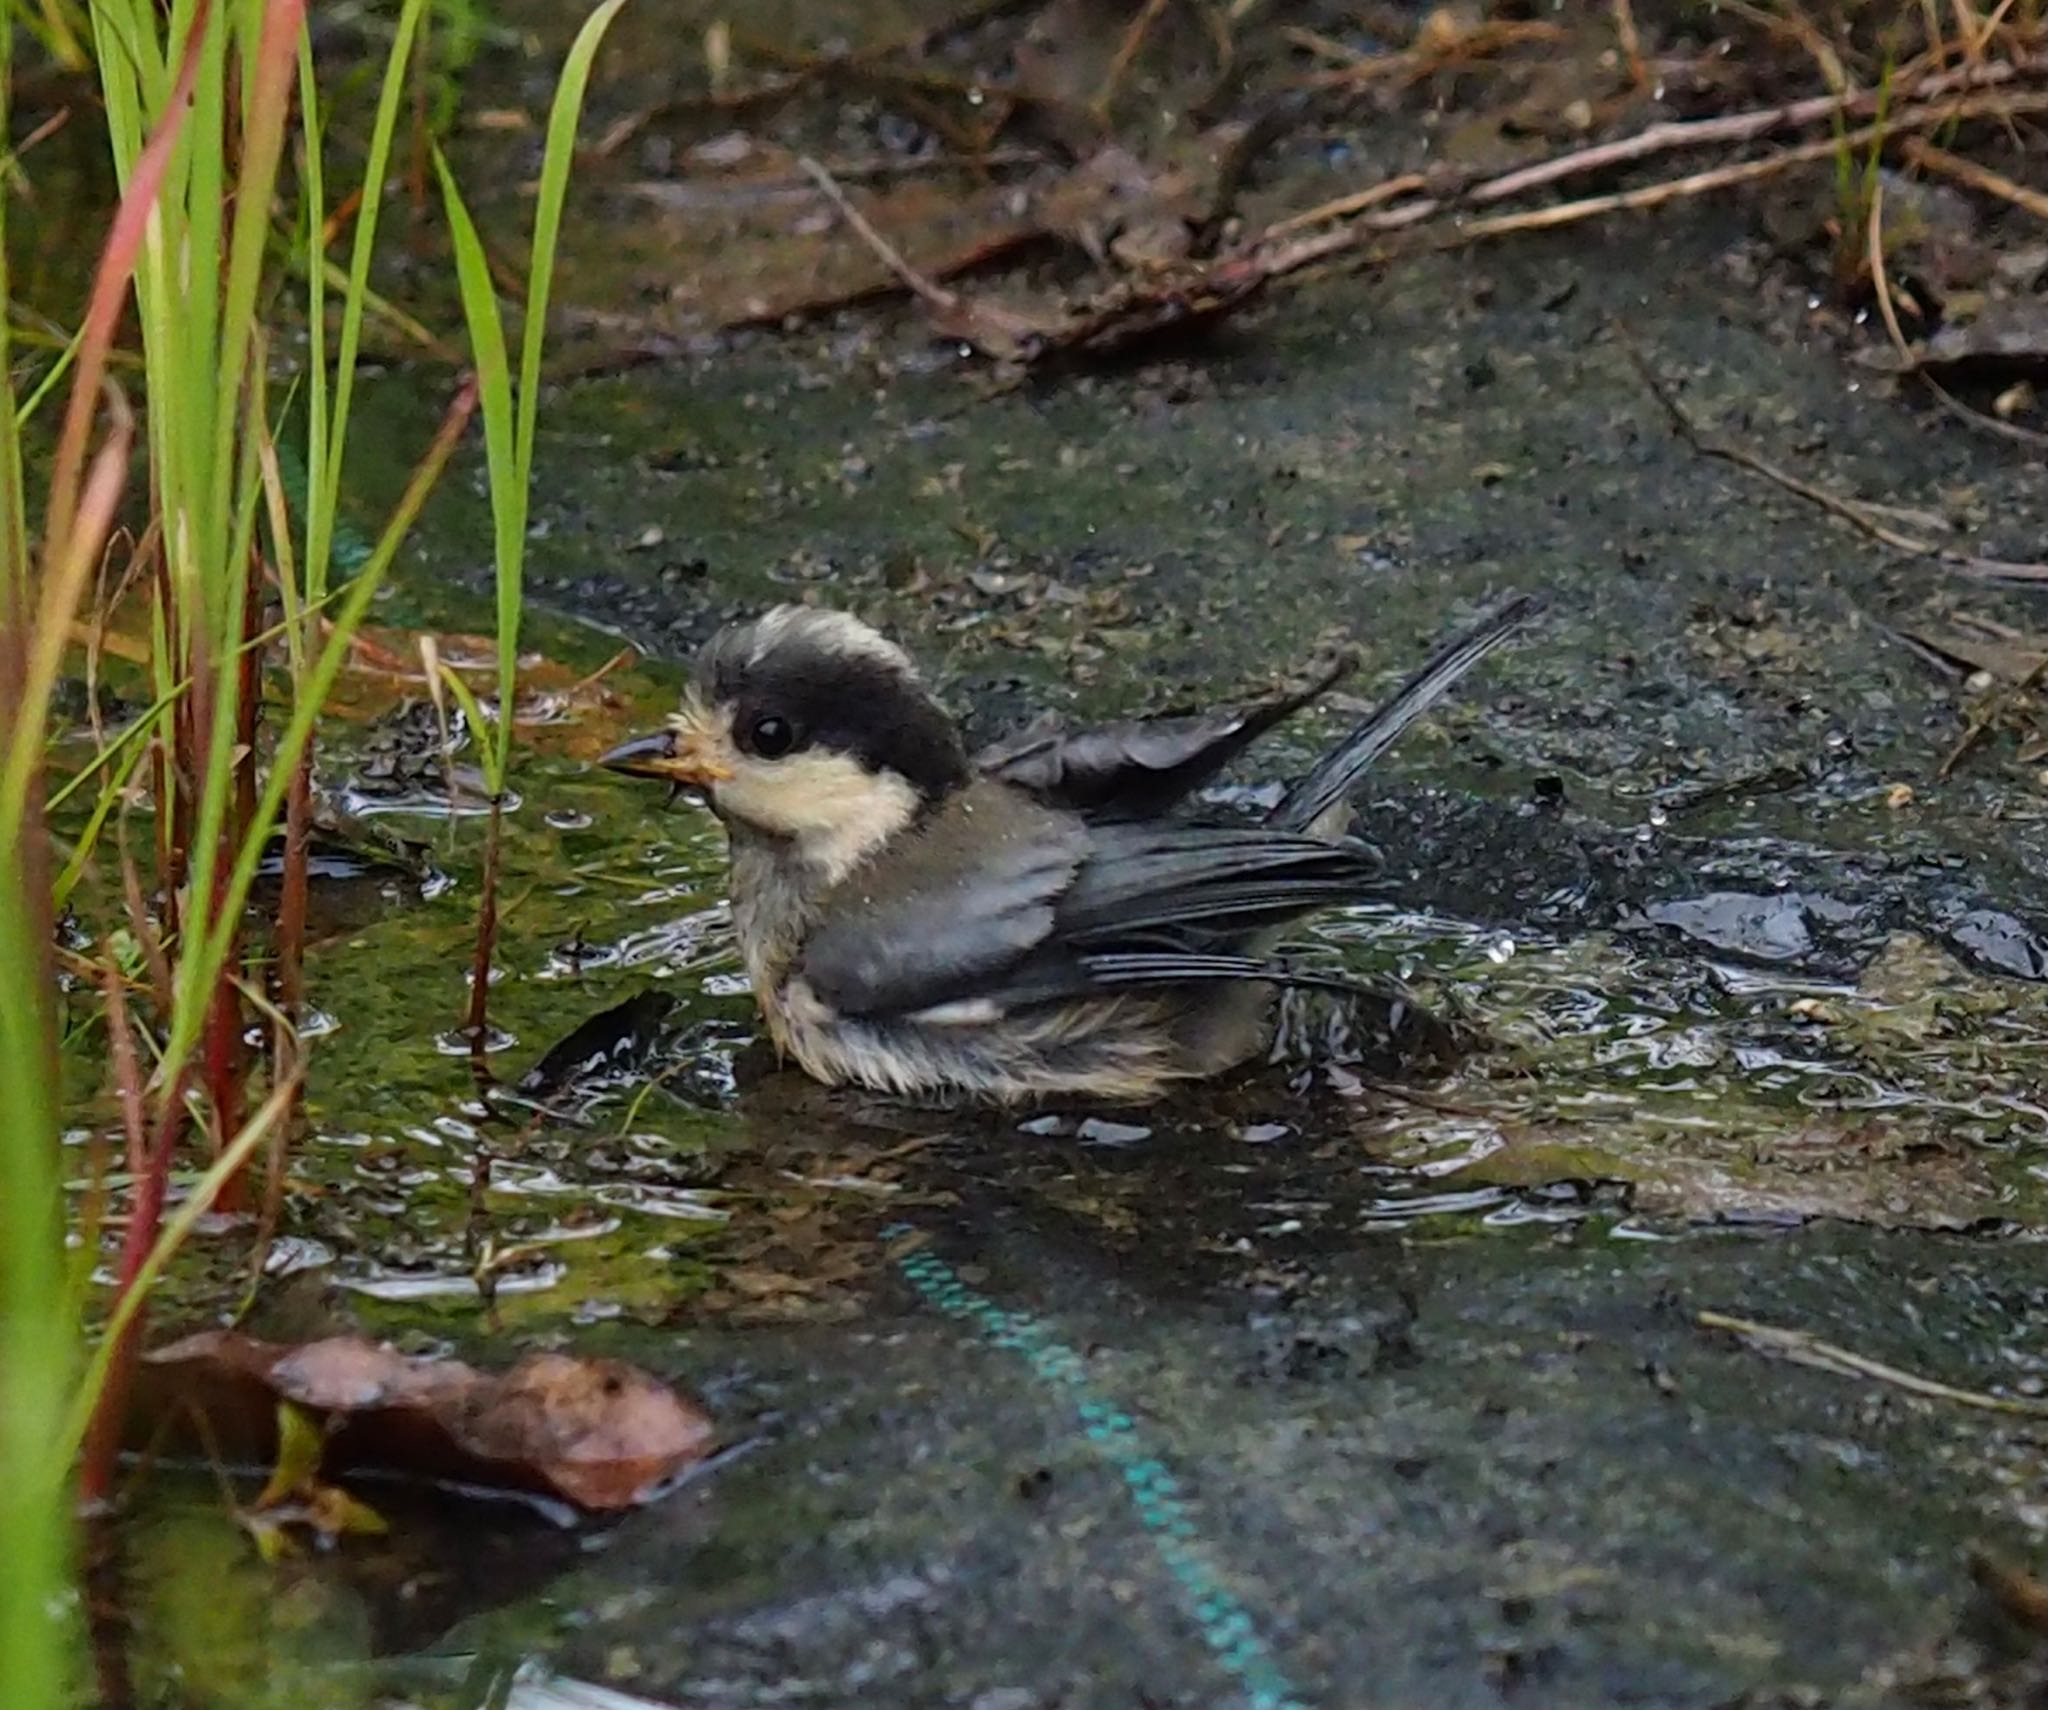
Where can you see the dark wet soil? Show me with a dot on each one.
(1317, 1392)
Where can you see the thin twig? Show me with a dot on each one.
(925, 288)
(1880, 275)
(1356, 202)
(1326, 246)
(1804, 1348)
(1850, 511)
(1328, 47)
(1792, 25)
(1971, 176)
(1655, 195)
(1631, 41)
(1677, 135)
(1127, 51)
(1434, 51)
(1976, 418)
(10, 168)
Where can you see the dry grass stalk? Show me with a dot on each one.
(1804, 1348)
(1971, 176)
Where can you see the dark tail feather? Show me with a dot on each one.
(1337, 771)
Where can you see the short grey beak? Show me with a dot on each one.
(642, 756)
(676, 757)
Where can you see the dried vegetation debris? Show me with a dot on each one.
(1151, 168)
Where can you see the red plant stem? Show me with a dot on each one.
(289, 945)
(103, 1438)
(224, 1062)
(422, 133)
(291, 906)
(127, 1071)
(105, 1607)
(486, 941)
(227, 1050)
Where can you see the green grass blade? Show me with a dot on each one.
(25, 411)
(508, 490)
(558, 155)
(352, 608)
(103, 807)
(324, 482)
(126, 752)
(465, 698)
(36, 1334)
(319, 504)
(227, 505)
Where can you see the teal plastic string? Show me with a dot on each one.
(1226, 1626)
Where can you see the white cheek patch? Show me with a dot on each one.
(829, 805)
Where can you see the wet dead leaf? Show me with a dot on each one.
(2009, 657)
(1914, 992)
(2008, 341)
(599, 1434)
(2016, 1593)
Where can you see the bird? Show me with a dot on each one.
(1044, 918)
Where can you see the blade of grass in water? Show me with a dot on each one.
(175, 1233)
(198, 320)
(327, 441)
(509, 423)
(508, 492)
(510, 420)
(222, 72)
(557, 156)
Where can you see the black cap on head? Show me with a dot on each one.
(801, 678)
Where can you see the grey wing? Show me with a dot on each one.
(1065, 911)
(1216, 884)
(968, 906)
(1139, 768)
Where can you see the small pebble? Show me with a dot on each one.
(1099, 1131)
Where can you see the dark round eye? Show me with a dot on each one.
(771, 736)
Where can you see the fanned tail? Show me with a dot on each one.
(1334, 775)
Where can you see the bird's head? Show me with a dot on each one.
(808, 728)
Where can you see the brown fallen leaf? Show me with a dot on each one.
(2017, 1593)
(596, 1433)
(2008, 658)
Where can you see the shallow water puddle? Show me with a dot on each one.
(639, 1155)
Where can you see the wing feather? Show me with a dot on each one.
(1002, 903)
